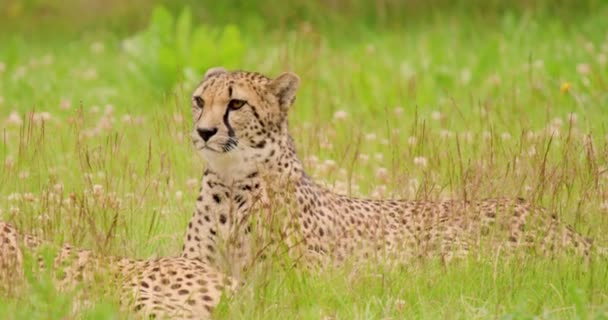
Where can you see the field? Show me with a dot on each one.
(398, 100)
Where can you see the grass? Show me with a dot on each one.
(96, 154)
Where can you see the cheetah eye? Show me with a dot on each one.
(200, 103)
(236, 104)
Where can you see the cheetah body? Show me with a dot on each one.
(254, 177)
(167, 288)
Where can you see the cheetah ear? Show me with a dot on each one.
(284, 88)
(214, 72)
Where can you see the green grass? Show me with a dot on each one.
(459, 104)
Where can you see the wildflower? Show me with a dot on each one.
(14, 196)
(467, 136)
(420, 161)
(558, 122)
(412, 140)
(400, 305)
(553, 131)
(495, 80)
(370, 136)
(398, 110)
(583, 68)
(565, 88)
(65, 104)
(538, 64)
(602, 59)
(24, 175)
(97, 190)
(29, 197)
(14, 210)
(364, 157)
(58, 188)
(445, 134)
(329, 164)
(505, 136)
(382, 173)
(340, 115)
(14, 118)
(9, 162)
(436, 115)
(39, 117)
(178, 195)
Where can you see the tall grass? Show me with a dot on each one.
(96, 154)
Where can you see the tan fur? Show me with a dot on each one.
(174, 288)
(260, 181)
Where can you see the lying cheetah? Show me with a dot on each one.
(174, 288)
(254, 178)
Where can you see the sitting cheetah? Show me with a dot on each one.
(241, 130)
(175, 288)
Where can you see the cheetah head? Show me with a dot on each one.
(238, 117)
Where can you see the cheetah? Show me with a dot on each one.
(253, 177)
(165, 288)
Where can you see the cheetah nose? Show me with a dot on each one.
(206, 133)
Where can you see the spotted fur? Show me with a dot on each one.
(172, 288)
(260, 180)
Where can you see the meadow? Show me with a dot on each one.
(396, 102)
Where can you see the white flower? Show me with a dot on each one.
(583, 68)
(381, 173)
(14, 118)
(65, 104)
(58, 188)
(97, 190)
(436, 115)
(329, 164)
(340, 115)
(420, 161)
(14, 196)
(24, 175)
(412, 140)
(445, 134)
